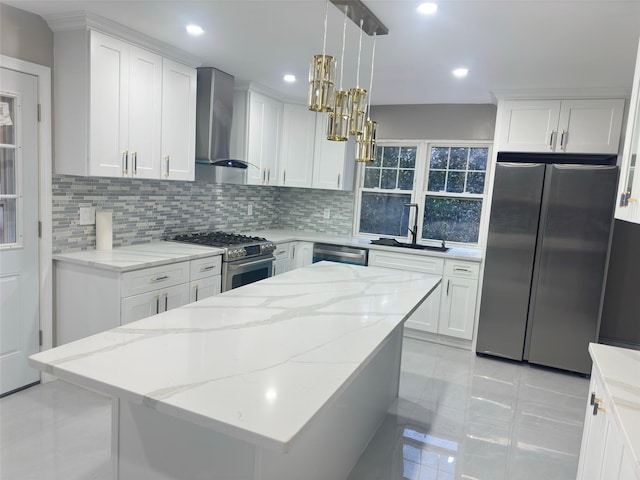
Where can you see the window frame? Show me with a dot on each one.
(420, 192)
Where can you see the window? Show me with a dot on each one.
(8, 172)
(446, 180)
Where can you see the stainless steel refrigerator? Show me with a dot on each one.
(549, 235)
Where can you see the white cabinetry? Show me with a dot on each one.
(628, 207)
(256, 135)
(283, 255)
(120, 108)
(458, 303)
(303, 254)
(90, 300)
(565, 126)
(602, 454)
(308, 158)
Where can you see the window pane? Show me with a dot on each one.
(436, 181)
(455, 182)
(8, 220)
(405, 179)
(7, 171)
(7, 116)
(408, 157)
(478, 158)
(475, 182)
(460, 218)
(371, 177)
(384, 213)
(439, 157)
(378, 160)
(458, 160)
(389, 178)
(390, 157)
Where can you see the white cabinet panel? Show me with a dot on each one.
(425, 318)
(416, 263)
(334, 162)
(205, 287)
(141, 306)
(303, 254)
(529, 125)
(154, 278)
(298, 143)
(458, 304)
(283, 258)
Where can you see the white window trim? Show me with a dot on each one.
(420, 187)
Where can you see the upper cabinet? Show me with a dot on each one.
(121, 110)
(256, 134)
(629, 188)
(560, 126)
(310, 160)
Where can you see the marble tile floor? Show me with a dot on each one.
(459, 416)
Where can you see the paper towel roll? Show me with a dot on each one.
(104, 230)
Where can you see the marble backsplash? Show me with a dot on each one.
(148, 210)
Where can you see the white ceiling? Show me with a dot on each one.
(506, 44)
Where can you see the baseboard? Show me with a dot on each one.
(436, 338)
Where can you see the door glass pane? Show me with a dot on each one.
(456, 218)
(7, 220)
(384, 213)
(7, 171)
(7, 117)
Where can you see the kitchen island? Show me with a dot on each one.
(286, 378)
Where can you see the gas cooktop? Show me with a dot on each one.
(236, 246)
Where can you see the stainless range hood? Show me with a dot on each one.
(214, 112)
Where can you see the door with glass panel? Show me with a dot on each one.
(19, 284)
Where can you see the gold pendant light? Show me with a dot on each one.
(338, 118)
(357, 98)
(322, 76)
(366, 144)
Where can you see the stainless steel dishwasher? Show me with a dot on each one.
(340, 254)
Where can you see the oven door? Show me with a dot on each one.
(245, 271)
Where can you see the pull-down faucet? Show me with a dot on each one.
(414, 230)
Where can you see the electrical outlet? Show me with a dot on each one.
(250, 210)
(327, 213)
(87, 215)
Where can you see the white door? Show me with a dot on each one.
(19, 282)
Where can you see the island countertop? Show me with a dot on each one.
(256, 363)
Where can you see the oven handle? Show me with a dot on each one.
(236, 266)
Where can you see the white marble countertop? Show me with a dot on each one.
(281, 236)
(134, 257)
(620, 370)
(257, 362)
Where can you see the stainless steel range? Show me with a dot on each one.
(245, 259)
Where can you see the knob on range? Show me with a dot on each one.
(267, 247)
(236, 253)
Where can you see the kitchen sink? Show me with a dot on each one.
(391, 242)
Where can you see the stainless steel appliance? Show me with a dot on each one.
(245, 259)
(340, 254)
(547, 248)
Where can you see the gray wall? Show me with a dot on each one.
(25, 36)
(435, 122)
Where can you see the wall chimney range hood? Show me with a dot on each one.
(214, 113)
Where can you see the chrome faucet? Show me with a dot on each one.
(414, 230)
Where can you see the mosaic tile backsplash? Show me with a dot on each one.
(149, 210)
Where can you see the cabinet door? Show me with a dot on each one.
(145, 102)
(458, 307)
(329, 161)
(590, 126)
(425, 318)
(174, 297)
(204, 287)
(140, 306)
(528, 125)
(108, 115)
(178, 121)
(298, 142)
(302, 254)
(263, 149)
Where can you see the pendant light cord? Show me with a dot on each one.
(324, 40)
(359, 51)
(373, 56)
(344, 36)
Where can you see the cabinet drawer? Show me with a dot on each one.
(206, 267)
(415, 263)
(282, 251)
(454, 268)
(148, 279)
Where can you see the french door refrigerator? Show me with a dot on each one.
(547, 247)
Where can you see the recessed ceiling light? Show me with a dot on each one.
(289, 78)
(428, 8)
(194, 30)
(460, 72)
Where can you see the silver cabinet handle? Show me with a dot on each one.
(551, 140)
(167, 160)
(166, 302)
(562, 137)
(461, 269)
(196, 287)
(125, 162)
(268, 175)
(264, 175)
(448, 281)
(157, 303)
(135, 163)
(293, 252)
(284, 177)
(208, 267)
(157, 279)
(338, 180)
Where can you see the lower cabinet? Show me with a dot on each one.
(302, 254)
(90, 300)
(450, 309)
(602, 453)
(292, 255)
